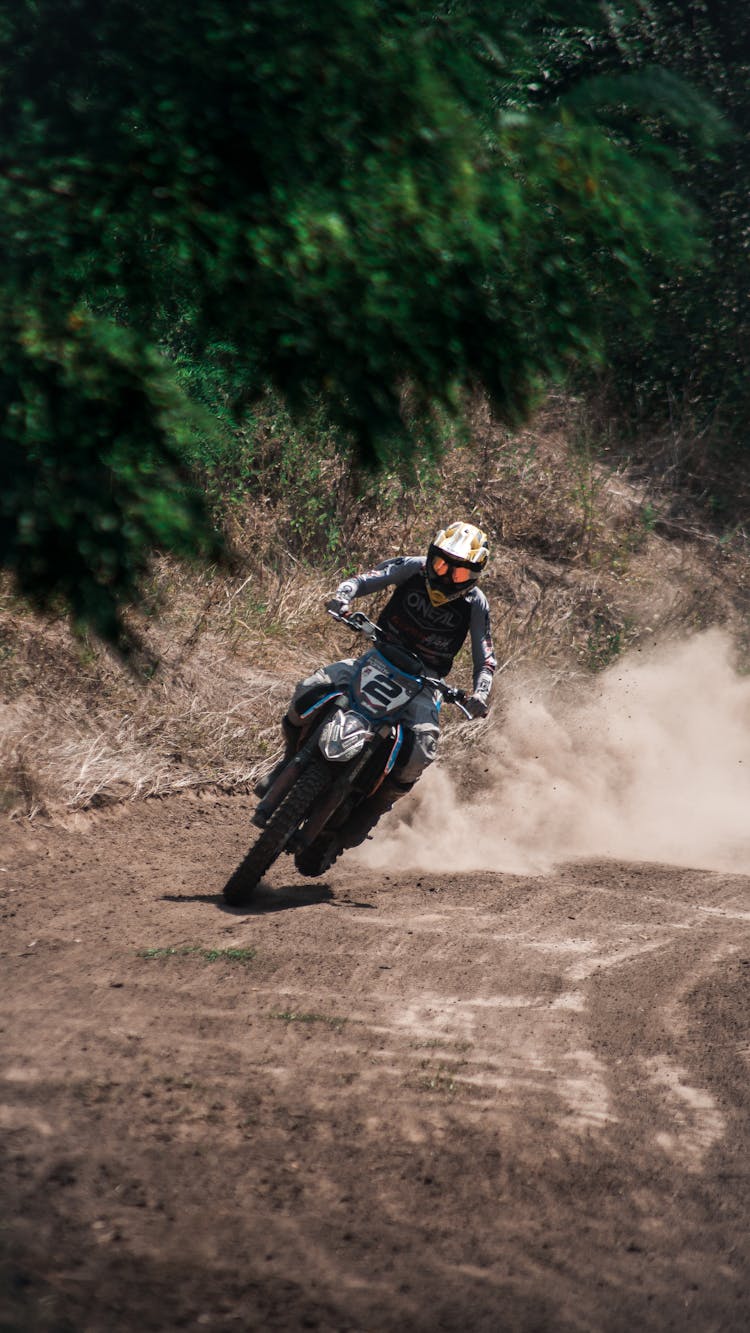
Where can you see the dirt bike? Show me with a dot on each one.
(349, 745)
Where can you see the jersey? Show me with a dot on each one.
(434, 633)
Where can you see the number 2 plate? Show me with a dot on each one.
(380, 691)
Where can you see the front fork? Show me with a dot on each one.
(287, 777)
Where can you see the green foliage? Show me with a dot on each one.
(80, 506)
(339, 202)
(695, 361)
(273, 461)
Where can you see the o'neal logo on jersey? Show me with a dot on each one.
(433, 615)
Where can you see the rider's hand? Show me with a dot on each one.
(476, 705)
(338, 607)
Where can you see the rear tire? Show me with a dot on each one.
(284, 821)
(319, 856)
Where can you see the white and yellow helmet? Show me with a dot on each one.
(455, 561)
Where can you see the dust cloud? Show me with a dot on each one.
(650, 761)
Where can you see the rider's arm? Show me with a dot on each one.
(483, 657)
(389, 573)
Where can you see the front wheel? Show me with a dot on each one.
(284, 821)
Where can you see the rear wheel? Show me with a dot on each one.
(311, 783)
(319, 856)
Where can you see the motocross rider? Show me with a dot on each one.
(434, 605)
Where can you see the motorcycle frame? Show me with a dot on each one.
(380, 725)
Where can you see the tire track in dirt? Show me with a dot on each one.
(379, 1102)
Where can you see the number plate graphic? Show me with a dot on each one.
(381, 692)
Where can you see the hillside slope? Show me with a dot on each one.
(592, 559)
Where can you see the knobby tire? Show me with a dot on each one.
(275, 836)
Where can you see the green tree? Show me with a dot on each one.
(697, 355)
(337, 201)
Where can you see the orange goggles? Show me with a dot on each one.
(456, 573)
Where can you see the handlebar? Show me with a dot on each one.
(361, 624)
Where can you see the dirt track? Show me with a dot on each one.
(450, 1103)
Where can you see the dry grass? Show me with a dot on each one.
(587, 564)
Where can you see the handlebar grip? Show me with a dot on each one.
(454, 696)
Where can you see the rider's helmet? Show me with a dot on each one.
(455, 561)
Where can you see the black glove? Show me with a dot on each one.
(339, 607)
(476, 705)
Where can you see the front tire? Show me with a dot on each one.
(284, 821)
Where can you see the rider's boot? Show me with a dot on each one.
(365, 816)
(291, 734)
